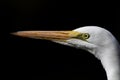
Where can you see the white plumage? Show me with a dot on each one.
(101, 44)
(98, 41)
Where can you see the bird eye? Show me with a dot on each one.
(85, 36)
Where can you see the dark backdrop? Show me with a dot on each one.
(45, 60)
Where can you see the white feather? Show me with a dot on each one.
(101, 44)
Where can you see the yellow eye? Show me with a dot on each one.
(85, 36)
(82, 36)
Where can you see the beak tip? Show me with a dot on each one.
(14, 33)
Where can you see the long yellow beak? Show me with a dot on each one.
(48, 35)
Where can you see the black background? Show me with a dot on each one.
(45, 60)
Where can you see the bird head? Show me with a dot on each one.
(98, 41)
(89, 38)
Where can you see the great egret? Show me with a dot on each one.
(98, 41)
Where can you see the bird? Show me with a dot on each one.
(96, 40)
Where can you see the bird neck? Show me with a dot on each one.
(111, 63)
